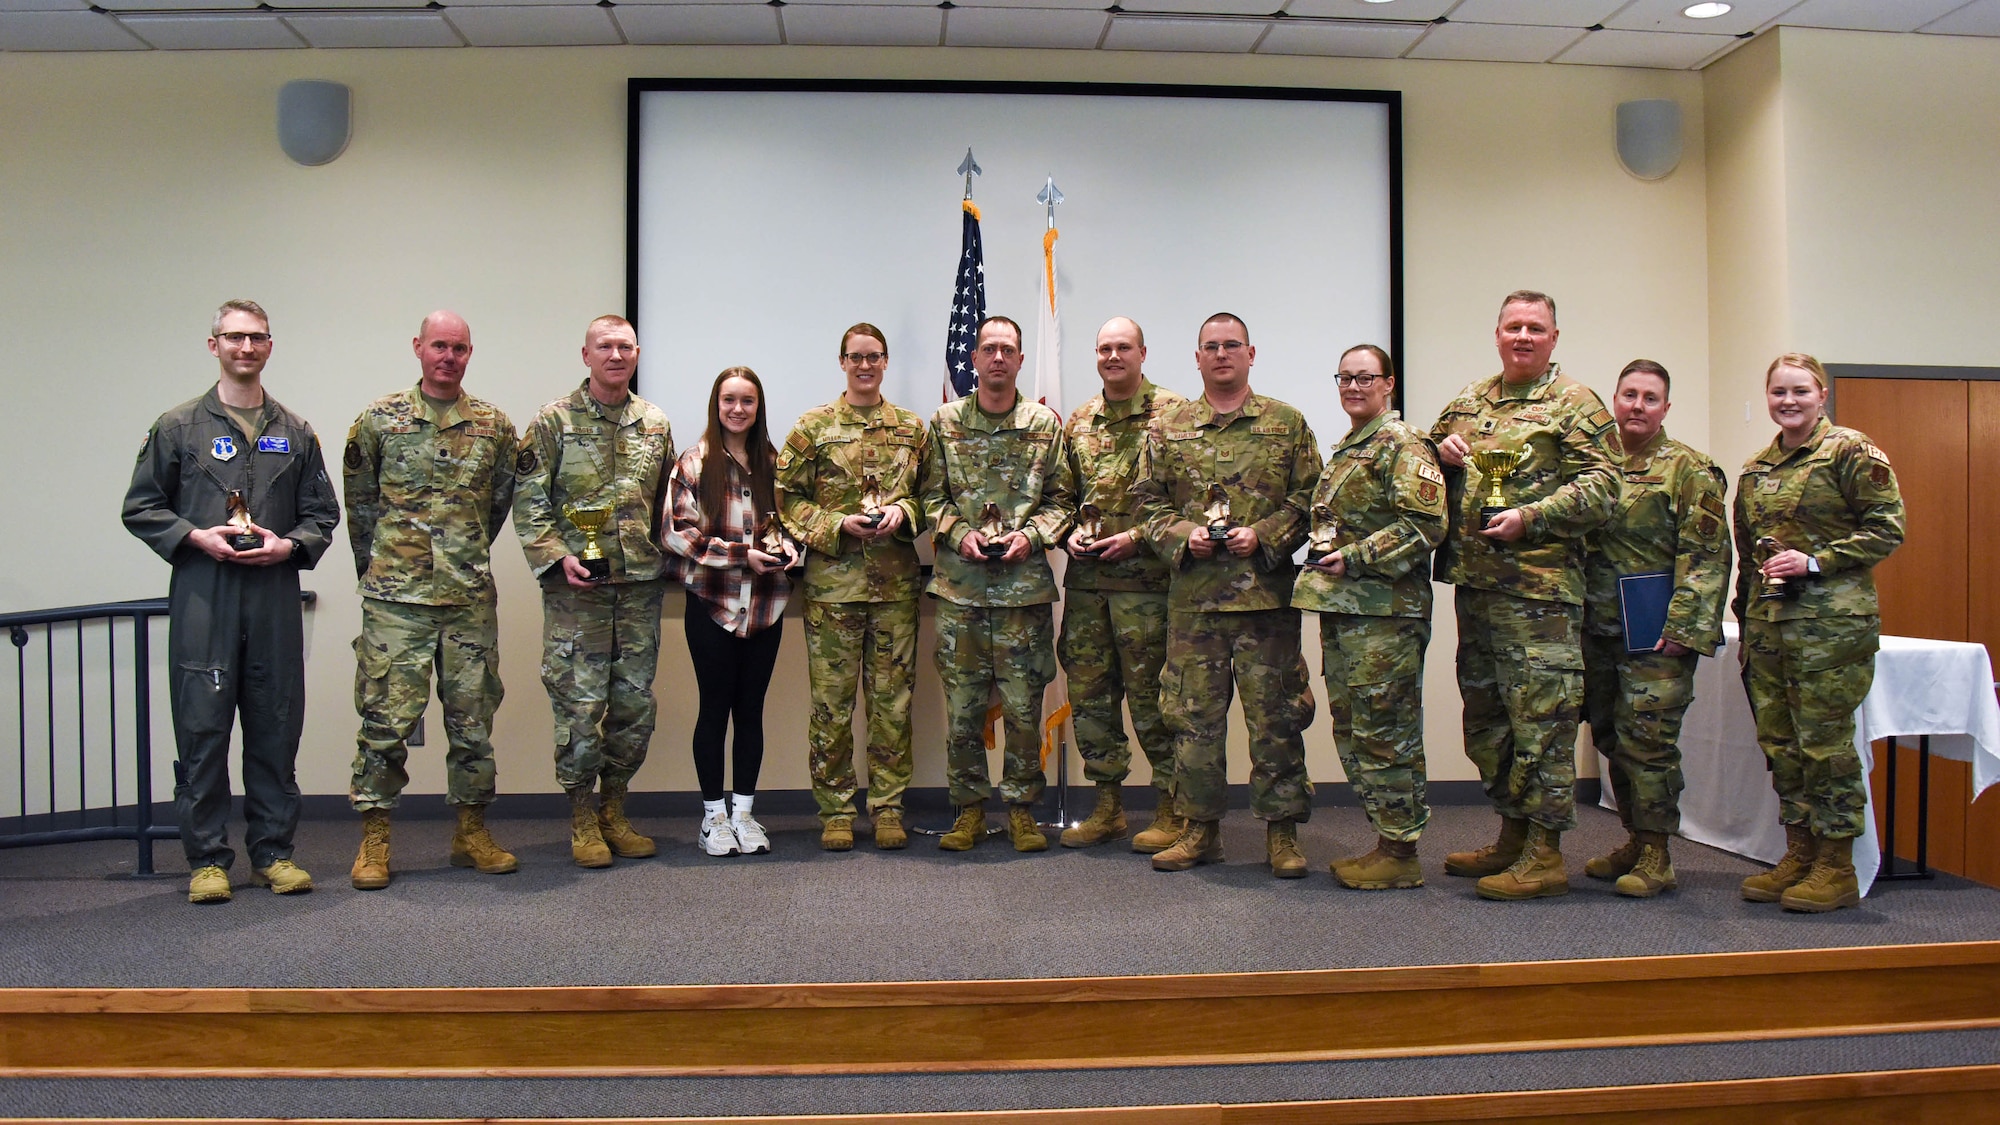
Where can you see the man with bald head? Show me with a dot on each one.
(429, 473)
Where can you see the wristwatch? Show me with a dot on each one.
(1812, 566)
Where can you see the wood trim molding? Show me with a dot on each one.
(1838, 371)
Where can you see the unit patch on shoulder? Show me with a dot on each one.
(1427, 492)
(527, 462)
(145, 443)
(353, 458)
(1708, 528)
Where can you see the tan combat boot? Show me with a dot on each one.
(837, 834)
(1652, 872)
(208, 884)
(1022, 829)
(1391, 866)
(1200, 842)
(371, 863)
(966, 831)
(586, 839)
(1800, 849)
(889, 833)
(1105, 822)
(283, 877)
(1281, 845)
(1165, 829)
(472, 845)
(1495, 857)
(1620, 860)
(1830, 885)
(617, 830)
(1539, 873)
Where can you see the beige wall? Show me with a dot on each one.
(140, 190)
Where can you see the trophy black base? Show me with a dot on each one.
(598, 569)
(994, 552)
(874, 518)
(1785, 592)
(1217, 532)
(1487, 516)
(245, 541)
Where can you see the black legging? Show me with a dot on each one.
(732, 674)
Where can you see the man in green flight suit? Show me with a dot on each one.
(1520, 591)
(1227, 480)
(429, 476)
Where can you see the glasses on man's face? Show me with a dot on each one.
(864, 359)
(238, 339)
(1228, 347)
(1362, 381)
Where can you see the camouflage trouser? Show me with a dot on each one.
(393, 656)
(1634, 703)
(1375, 694)
(599, 650)
(1209, 657)
(871, 646)
(979, 647)
(1112, 645)
(1520, 672)
(1806, 678)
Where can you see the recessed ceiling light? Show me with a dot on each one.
(1377, 1)
(1707, 11)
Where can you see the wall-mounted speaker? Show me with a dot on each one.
(1649, 137)
(315, 120)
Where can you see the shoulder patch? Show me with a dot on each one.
(353, 458)
(526, 462)
(1429, 471)
(145, 443)
(1599, 418)
(1712, 503)
(1875, 451)
(798, 441)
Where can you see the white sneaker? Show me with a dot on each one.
(717, 838)
(749, 834)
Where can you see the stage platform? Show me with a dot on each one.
(874, 983)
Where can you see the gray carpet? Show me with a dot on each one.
(72, 917)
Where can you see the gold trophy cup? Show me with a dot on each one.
(1217, 513)
(990, 529)
(1325, 538)
(871, 499)
(243, 538)
(1493, 466)
(1089, 528)
(1771, 589)
(590, 521)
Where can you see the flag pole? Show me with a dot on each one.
(1048, 378)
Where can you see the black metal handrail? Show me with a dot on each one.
(141, 829)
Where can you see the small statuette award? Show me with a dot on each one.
(1217, 514)
(590, 521)
(990, 528)
(871, 499)
(1771, 589)
(771, 536)
(1089, 528)
(1325, 538)
(1493, 466)
(243, 538)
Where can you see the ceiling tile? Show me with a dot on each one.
(1493, 42)
(1868, 15)
(534, 27)
(43, 5)
(866, 3)
(830, 25)
(1658, 49)
(172, 5)
(1340, 40)
(220, 31)
(289, 4)
(376, 29)
(1357, 10)
(64, 31)
(1161, 34)
(453, 5)
(1981, 17)
(1551, 13)
(697, 23)
(1090, 5)
(1021, 27)
(1665, 15)
(1205, 7)
(695, 3)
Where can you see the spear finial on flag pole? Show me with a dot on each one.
(968, 168)
(1049, 197)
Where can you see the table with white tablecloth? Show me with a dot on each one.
(1943, 689)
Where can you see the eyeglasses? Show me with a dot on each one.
(1229, 346)
(238, 339)
(1362, 381)
(864, 358)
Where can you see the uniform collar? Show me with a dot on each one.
(1205, 413)
(1776, 453)
(1647, 451)
(621, 415)
(1499, 391)
(1367, 430)
(973, 418)
(447, 418)
(213, 402)
(1140, 402)
(851, 414)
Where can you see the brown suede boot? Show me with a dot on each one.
(1800, 850)
(966, 831)
(1539, 873)
(472, 845)
(1281, 846)
(1165, 829)
(586, 838)
(1022, 829)
(837, 833)
(617, 830)
(1392, 865)
(1200, 842)
(889, 833)
(1493, 858)
(371, 864)
(1618, 862)
(1105, 822)
(1652, 872)
(1830, 885)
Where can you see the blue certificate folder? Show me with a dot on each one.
(1642, 607)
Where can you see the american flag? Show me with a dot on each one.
(968, 308)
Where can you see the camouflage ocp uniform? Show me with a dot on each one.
(1114, 629)
(994, 622)
(1230, 625)
(600, 646)
(1380, 505)
(1810, 661)
(427, 490)
(1520, 604)
(861, 596)
(1670, 518)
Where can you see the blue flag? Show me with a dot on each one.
(968, 308)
